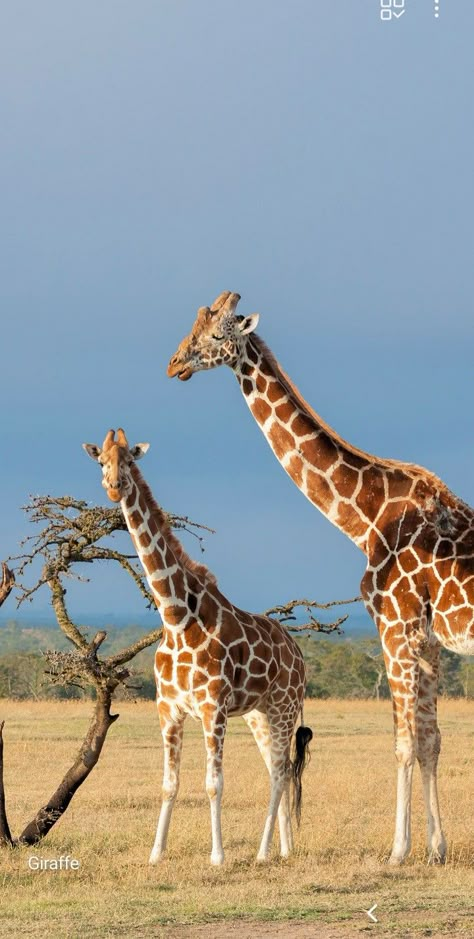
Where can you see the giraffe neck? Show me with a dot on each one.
(329, 471)
(174, 579)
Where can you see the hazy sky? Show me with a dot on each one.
(307, 154)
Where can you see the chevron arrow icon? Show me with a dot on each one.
(370, 913)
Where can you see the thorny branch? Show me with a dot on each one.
(286, 614)
(70, 536)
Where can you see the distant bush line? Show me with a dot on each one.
(348, 668)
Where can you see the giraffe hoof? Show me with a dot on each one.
(436, 857)
(156, 857)
(395, 861)
(217, 859)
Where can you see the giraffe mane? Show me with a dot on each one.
(194, 567)
(293, 391)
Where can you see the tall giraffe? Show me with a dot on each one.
(417, 535)
(214, 661)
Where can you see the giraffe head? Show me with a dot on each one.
(215, 339)
(116, 458)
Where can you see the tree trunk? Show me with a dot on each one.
(8, 579)
(5, 835)
(48, 815)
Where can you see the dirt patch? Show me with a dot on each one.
(414, 926)
(415, 929)
(236, 930)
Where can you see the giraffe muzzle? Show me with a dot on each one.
(114, 493)
(177, 370)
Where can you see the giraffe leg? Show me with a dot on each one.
(281, 729)
(258, 723)
(214, 723)
(172, 732)
(403, 675)
(428, 748)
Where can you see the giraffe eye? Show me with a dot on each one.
(218, 338)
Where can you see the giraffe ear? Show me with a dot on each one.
(248, 324)
(139, 450)
(92, 450)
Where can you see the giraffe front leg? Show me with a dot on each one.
(405, 754)
(214, 723)
(172, 732)
(428, 749)
(403, 675)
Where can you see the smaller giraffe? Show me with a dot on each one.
(213, 662)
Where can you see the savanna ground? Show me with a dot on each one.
(337, 872)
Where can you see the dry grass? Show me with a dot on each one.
(339, 867)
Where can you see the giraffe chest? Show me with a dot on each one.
(451, 588)
(453, 613)
(462, 644)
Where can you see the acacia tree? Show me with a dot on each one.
(74, 534)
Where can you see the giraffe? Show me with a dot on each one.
(214, 661)
(418, 538)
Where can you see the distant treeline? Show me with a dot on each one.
(348, 668)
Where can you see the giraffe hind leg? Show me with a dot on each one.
(281, 720)
(428, 748)
(258, 723)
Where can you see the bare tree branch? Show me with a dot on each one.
(131, 651)
(59, 606)
(314, 625)
(286, 614)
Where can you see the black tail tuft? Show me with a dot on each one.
(302, 739)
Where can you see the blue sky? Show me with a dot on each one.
(307, 155)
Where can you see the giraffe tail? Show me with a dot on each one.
(303, 737)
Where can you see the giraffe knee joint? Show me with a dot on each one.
(214, 789)
(405, 754)
(169, 791)
(214, 786)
